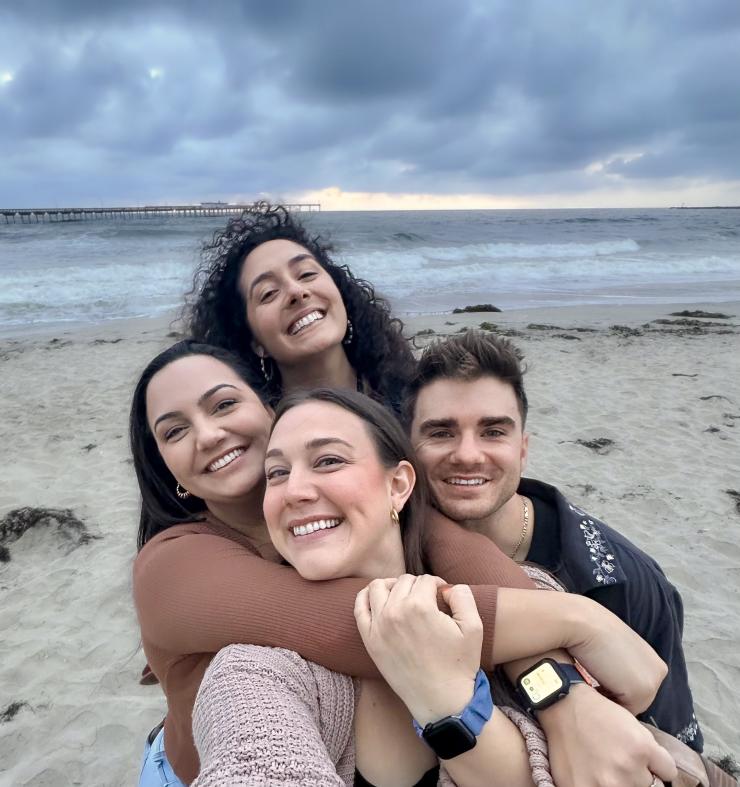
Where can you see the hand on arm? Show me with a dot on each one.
(529, 623)
(593, 741)
(431, 660)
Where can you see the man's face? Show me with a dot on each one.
(470, 441)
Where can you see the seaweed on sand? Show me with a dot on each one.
(71, 531)
(478, 307)
(12, 711)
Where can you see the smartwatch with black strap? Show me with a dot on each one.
(548, 681)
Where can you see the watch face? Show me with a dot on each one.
(449, 738)
(541, 684)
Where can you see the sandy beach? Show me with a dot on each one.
(637, 421)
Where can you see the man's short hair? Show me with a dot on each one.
(468, 357)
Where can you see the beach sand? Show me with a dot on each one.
(667, 397)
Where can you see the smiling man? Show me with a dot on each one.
(466, 409)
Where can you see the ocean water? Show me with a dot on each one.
(422, 261)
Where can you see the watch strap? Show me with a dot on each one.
(479, 710)
(476, 713)
(572, 673)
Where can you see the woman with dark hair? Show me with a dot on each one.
(207, 575)
(268, 290)
(160, 508)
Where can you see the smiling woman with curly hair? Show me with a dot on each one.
(268, 290)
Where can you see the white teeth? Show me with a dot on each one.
(304, 321)
(225, 460)
(466, 481)
(312, 527)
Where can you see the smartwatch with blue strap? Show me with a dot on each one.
(454, 735)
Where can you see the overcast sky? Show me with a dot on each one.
(390, 103)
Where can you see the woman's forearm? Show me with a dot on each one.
(530, 623)
(499, 758)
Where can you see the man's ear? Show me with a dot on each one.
(525, 451)
(402, 483)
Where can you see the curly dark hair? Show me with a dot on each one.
(215, 311)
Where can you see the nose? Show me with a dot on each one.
(297, 292)
(209, 434)
(467, 451)
(298, 489)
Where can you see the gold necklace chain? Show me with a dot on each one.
(525, 527)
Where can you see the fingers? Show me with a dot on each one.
(379, 591)
(375, 593)
(662, 764)
(402, 588)
(382, 595)
(363, 615)
(463, 607)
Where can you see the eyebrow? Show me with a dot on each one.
(437, 423)
(202, 398)
(270, 275)
(318, 442)
(450, 423)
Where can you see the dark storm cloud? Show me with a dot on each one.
(147, 100)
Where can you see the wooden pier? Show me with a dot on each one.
(40, 215)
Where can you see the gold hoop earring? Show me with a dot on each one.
(395, 518)
(181, 492)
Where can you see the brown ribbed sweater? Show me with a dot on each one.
(201, 586)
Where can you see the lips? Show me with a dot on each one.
(305, 320)
(225, 459)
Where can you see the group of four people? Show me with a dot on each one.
(304, 545)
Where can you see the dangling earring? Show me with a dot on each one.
(350, 333)
(182, 493)
(265, 373)
(394, 517)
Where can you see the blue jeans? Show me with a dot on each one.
(155, 770)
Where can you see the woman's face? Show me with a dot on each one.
(328, 498)
(210, 427)
(294, 309)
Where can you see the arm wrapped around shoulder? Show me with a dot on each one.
(267, 716)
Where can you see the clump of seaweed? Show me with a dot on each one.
(12, 711)
(68, 528)
(735, 495)
(600, 445)
(699, 313)
(479, 307)
(625, 330)
(728, 764)
(687, 322)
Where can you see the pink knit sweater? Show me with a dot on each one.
(265, 717)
